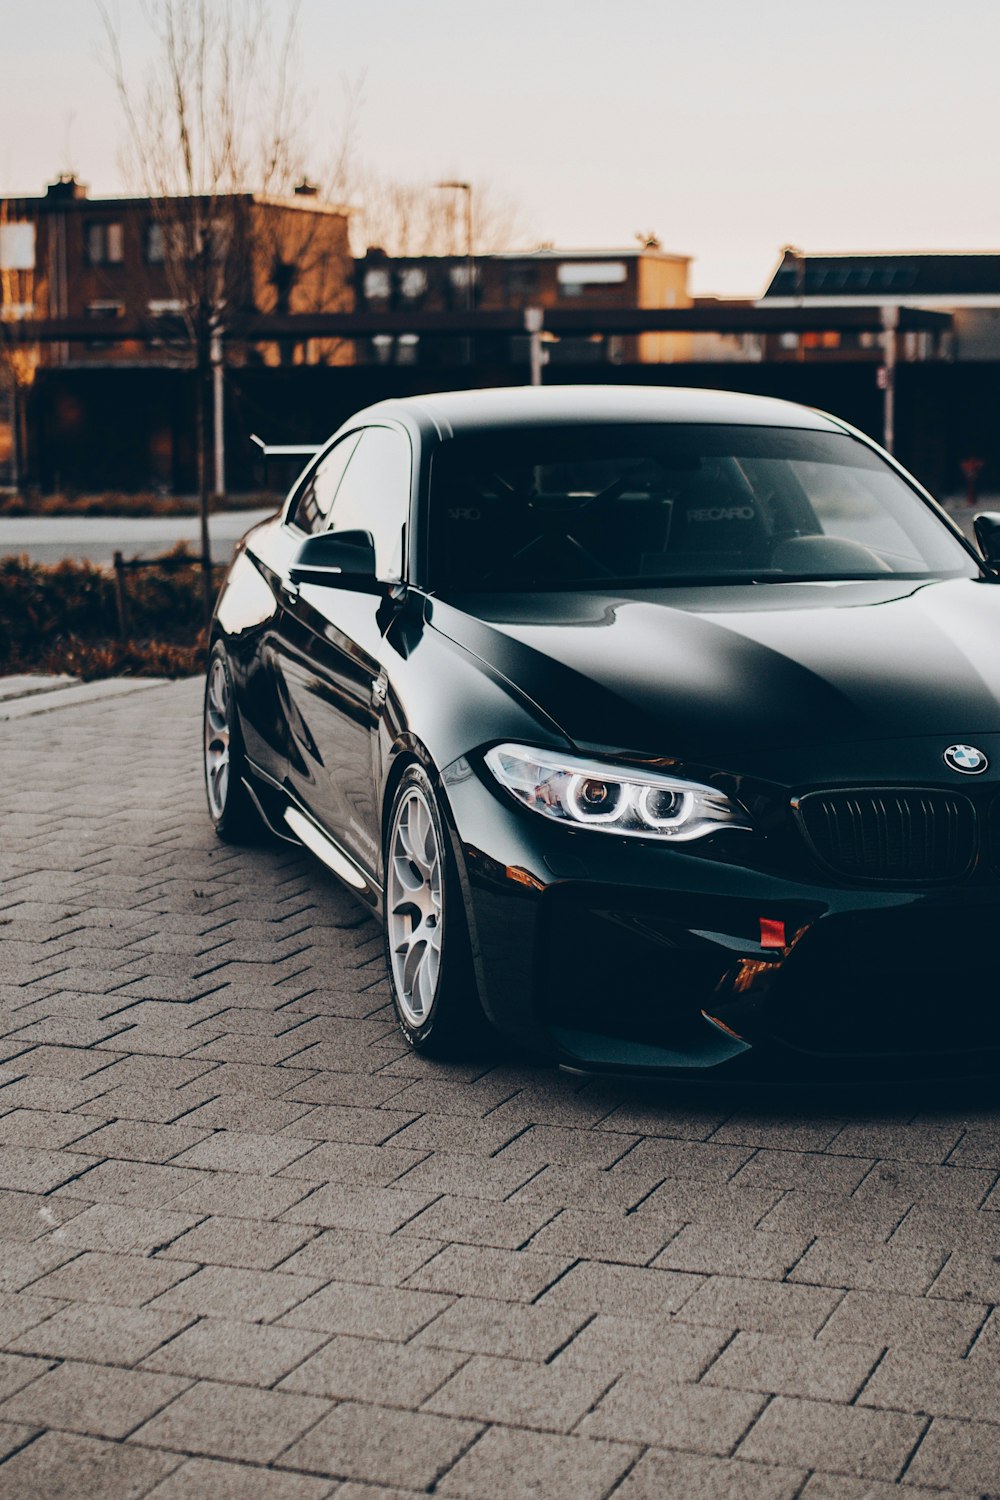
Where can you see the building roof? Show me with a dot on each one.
(887, 275)
(632, 252)
(68, 195)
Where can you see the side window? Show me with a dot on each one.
(375, 496)
(313, 502)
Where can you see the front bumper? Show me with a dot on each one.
(618, 955)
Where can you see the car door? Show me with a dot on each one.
(332, 650)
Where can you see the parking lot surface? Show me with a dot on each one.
(252, 1248)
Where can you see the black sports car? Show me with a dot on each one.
(661, 728)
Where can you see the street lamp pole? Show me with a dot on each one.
(470, 259)
(890, 326)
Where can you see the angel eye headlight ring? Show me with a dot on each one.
(626, 800)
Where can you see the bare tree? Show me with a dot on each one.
(214, 131)
(211, 133)
(420, 218)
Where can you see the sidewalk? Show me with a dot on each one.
(24, 696)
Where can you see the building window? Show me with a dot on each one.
(377, 286)
(166, 314)
(412, 283)
(99, 312)
(522, 282)
(105, 243)
(576, 278)
(155, 243)
(406, 348)
(17, 247)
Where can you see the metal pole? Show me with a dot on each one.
(202, 373)
(121, 596)
(16, 465)
(800, 292)
(470, 262)
(890, 323)
(219, 413)
(533, 322)
(470, 267)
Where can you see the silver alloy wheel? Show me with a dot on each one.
(217, 737)
(414, 907)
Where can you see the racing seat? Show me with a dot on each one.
(717, 527)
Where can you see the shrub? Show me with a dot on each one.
(90, 659)
(64, 618)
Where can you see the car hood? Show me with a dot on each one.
(706, 672)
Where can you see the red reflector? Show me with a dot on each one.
(772, 933)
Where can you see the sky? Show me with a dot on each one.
(729, 128)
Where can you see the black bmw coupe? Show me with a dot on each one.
(661, 728)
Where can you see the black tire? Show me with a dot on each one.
(446, 1018)
(230, 805)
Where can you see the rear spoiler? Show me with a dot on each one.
(300, 451)
(285, 450)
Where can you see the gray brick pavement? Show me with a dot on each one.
(249, 1247)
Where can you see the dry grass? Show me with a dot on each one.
(91, 659)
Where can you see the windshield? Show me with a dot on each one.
(536, 508)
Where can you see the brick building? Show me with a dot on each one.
(647, 276)
(66, 254)
(130, 260)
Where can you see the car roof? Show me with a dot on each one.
(446, 413)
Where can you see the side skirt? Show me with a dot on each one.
(325, 849)
(293, 825)
(266, 818)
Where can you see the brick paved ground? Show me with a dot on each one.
(253, 1249)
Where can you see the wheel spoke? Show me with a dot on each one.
(425, 983)
(412, 970)
(428, 841)
(403, 835)
(414, 907)
(407, 873)
(218, 736)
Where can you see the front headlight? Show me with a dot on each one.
(610, 798)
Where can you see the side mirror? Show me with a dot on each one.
(337, 560)
(987, 528)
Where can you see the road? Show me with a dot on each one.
(49, 539)
(252, 1247)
